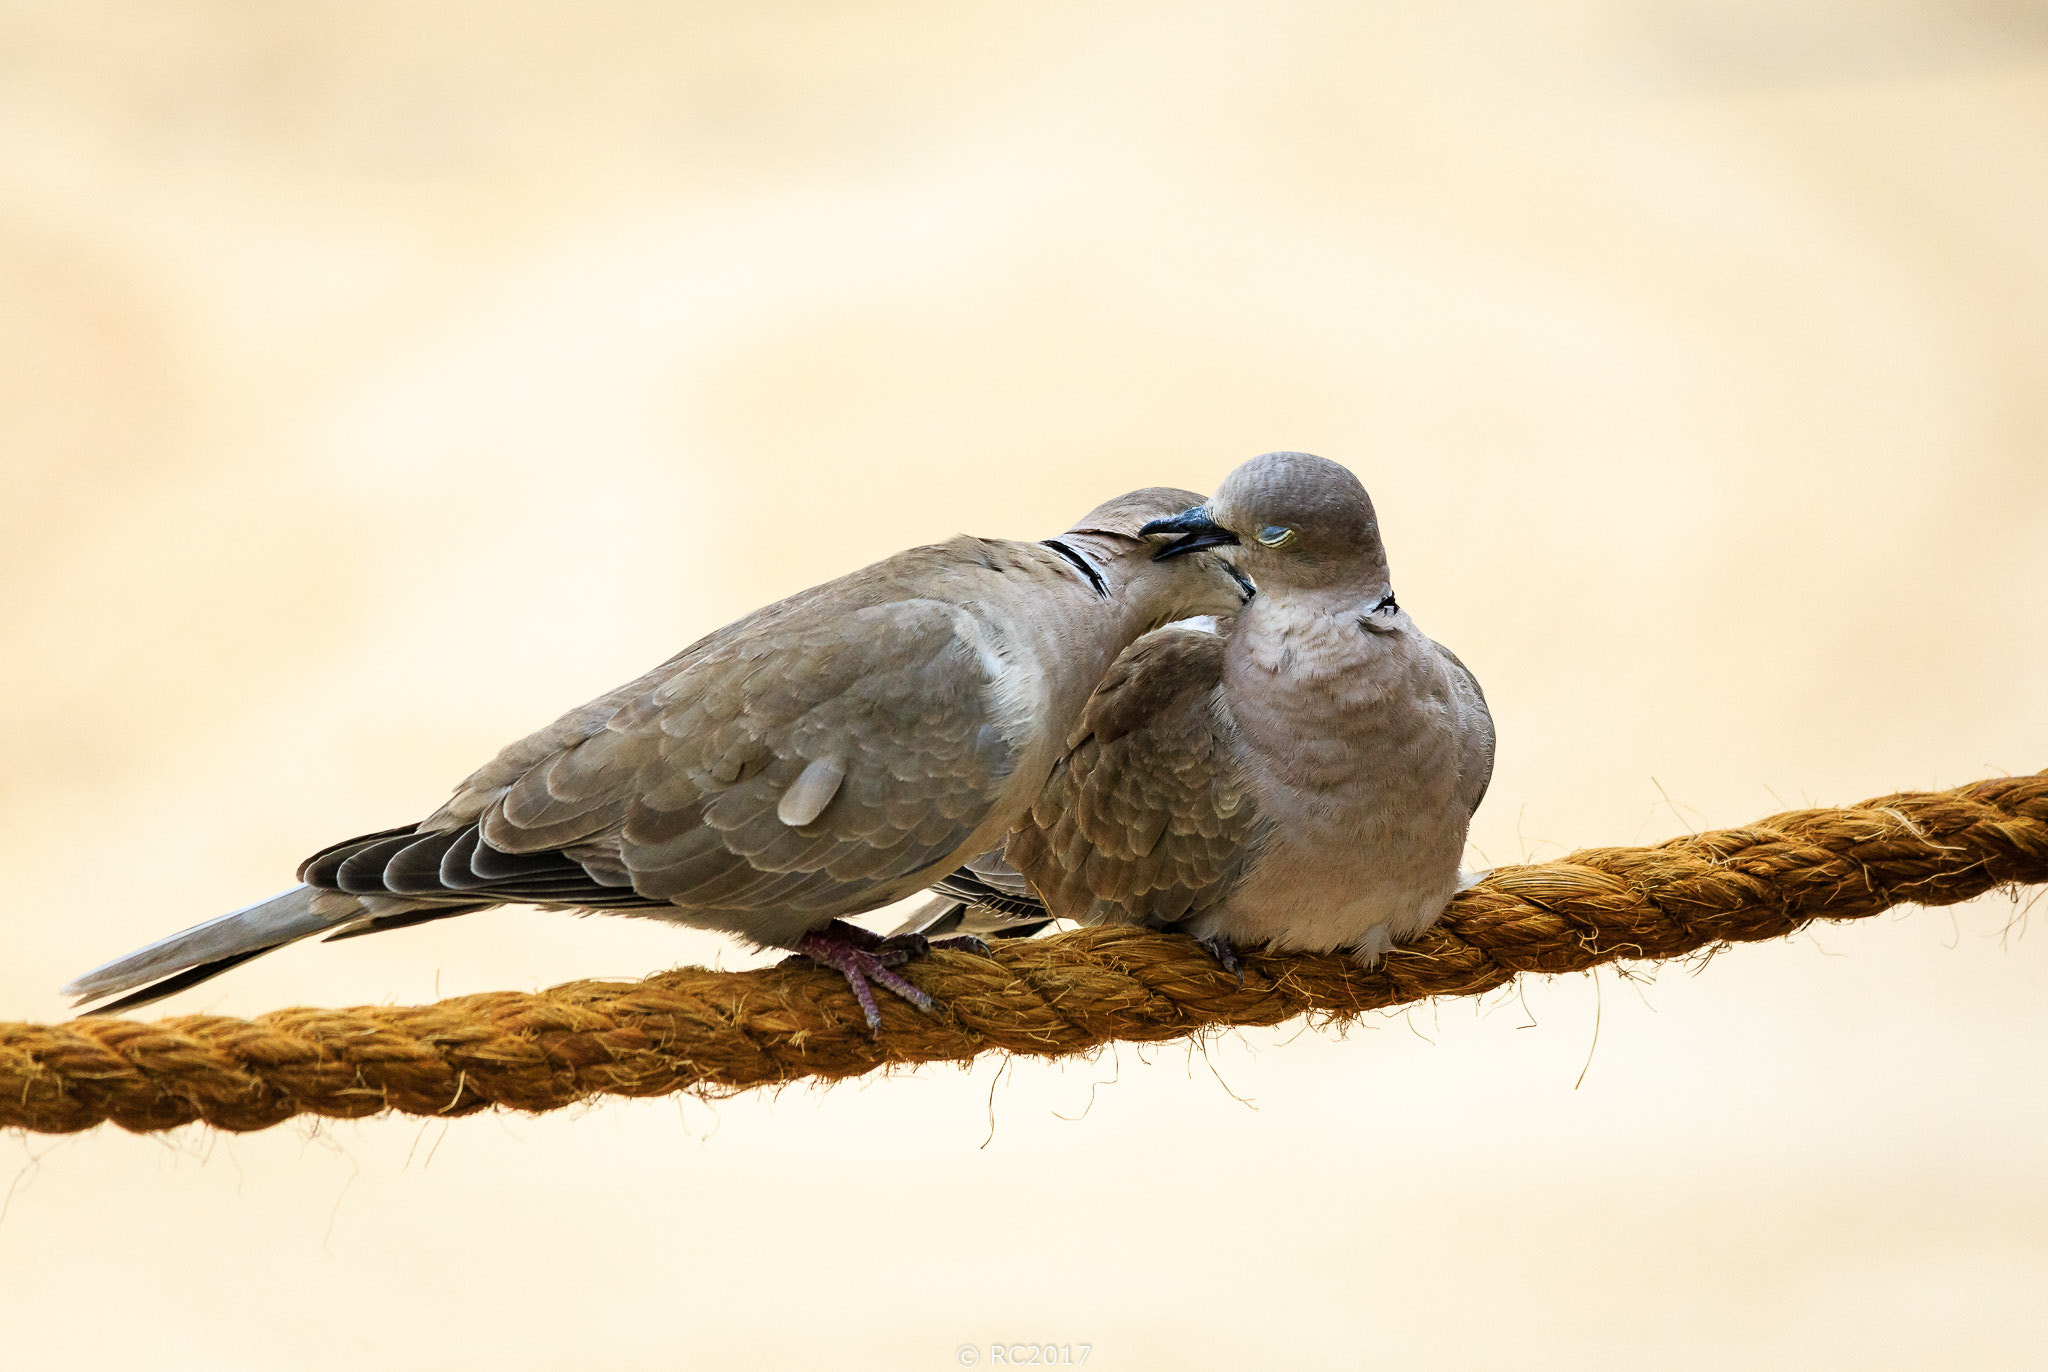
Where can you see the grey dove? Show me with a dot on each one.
(819, 758)
(1302, 778)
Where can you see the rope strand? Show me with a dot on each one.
(711, 1032)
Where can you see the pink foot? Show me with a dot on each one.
(862, 957)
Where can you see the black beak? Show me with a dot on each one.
(1196, 530)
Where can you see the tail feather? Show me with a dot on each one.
(986, 898)
(220, 943)
(403, 920)
(949, 914)
(170, 986)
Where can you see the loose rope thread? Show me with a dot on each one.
(710, 1032)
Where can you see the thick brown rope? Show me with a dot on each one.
(693, 1029)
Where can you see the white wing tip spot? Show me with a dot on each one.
(811, 792)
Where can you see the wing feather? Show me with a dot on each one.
(805, 757)
(1146, 819)
(1475, 757)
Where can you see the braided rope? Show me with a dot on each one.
(698, 1030)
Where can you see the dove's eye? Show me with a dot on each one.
(1273, 535)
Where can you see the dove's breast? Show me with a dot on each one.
(1349, 742)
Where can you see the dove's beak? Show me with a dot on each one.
(1196, 530)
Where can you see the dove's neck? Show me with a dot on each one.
(1302, 641)
(1083, 606)
(1124, 587)
(1098, 551)
(1355, 594)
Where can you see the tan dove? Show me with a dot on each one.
(822, 757)
(1302, 778)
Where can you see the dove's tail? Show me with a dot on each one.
(947, 916)
(206, 950)
(987, 898)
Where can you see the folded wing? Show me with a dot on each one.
(1146, 820)
(802, 763)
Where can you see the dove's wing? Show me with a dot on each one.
(813, 759)
(1475, 732)
(1146, 820)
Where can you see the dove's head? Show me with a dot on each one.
(1112, 540)
(1296, 520)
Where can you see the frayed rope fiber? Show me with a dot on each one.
(698, 1030)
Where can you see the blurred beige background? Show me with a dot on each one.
(378, 380)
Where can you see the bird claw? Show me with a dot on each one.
(1225, 953)
(863, 957)
(918, 945)
(965, 943)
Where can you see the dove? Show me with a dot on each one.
(819, 758)
(1301, 778)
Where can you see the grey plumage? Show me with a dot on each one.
(823, 756)
(239, 935)
(1303, 779)
(984, 898)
